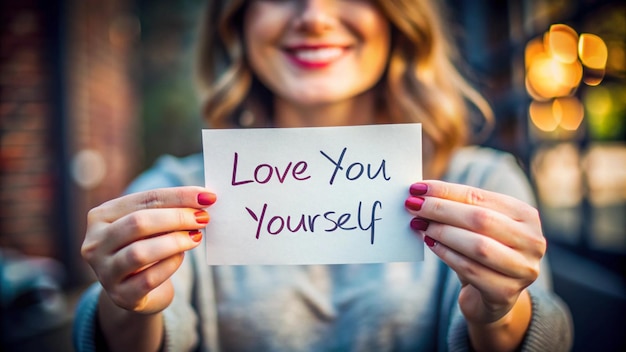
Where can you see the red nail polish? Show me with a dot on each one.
(414, 203)
(429, 241)
(195, 235)
(202, 217)
(418, 189)
(418, 224)
(206, 198)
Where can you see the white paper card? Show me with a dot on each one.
(320, 195)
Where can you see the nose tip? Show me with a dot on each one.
(314, 15)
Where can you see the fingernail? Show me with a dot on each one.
(206, 198)
(429, 241)
(202, 217)
(414, 203)
(195, 235)
(418, 224)
(418, 189)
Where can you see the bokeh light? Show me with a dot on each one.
(533, 49)
(562, 42)
(564, 112)
(542, 116)
(605, 107)
(556, 63)
(606, 182)
(569, 111)
(88, 168)
(556, 171)
(550, 78)
(592, 51)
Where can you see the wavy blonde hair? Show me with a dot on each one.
(421, 82)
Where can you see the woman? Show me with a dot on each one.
(326, 63)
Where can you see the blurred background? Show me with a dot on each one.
(92, 92)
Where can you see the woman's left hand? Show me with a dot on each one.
(492, 241)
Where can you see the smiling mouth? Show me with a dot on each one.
(317, 57)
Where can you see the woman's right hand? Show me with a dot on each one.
(136, 242)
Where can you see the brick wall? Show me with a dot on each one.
(68, 121)
(102, 103)
(27, 150)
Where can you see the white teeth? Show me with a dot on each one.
(318, 55)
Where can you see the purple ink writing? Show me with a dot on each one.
(330, 220)
(355, 170)
(263, 173)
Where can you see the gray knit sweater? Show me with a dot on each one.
(365, 307)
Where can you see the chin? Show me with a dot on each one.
(320, 95)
